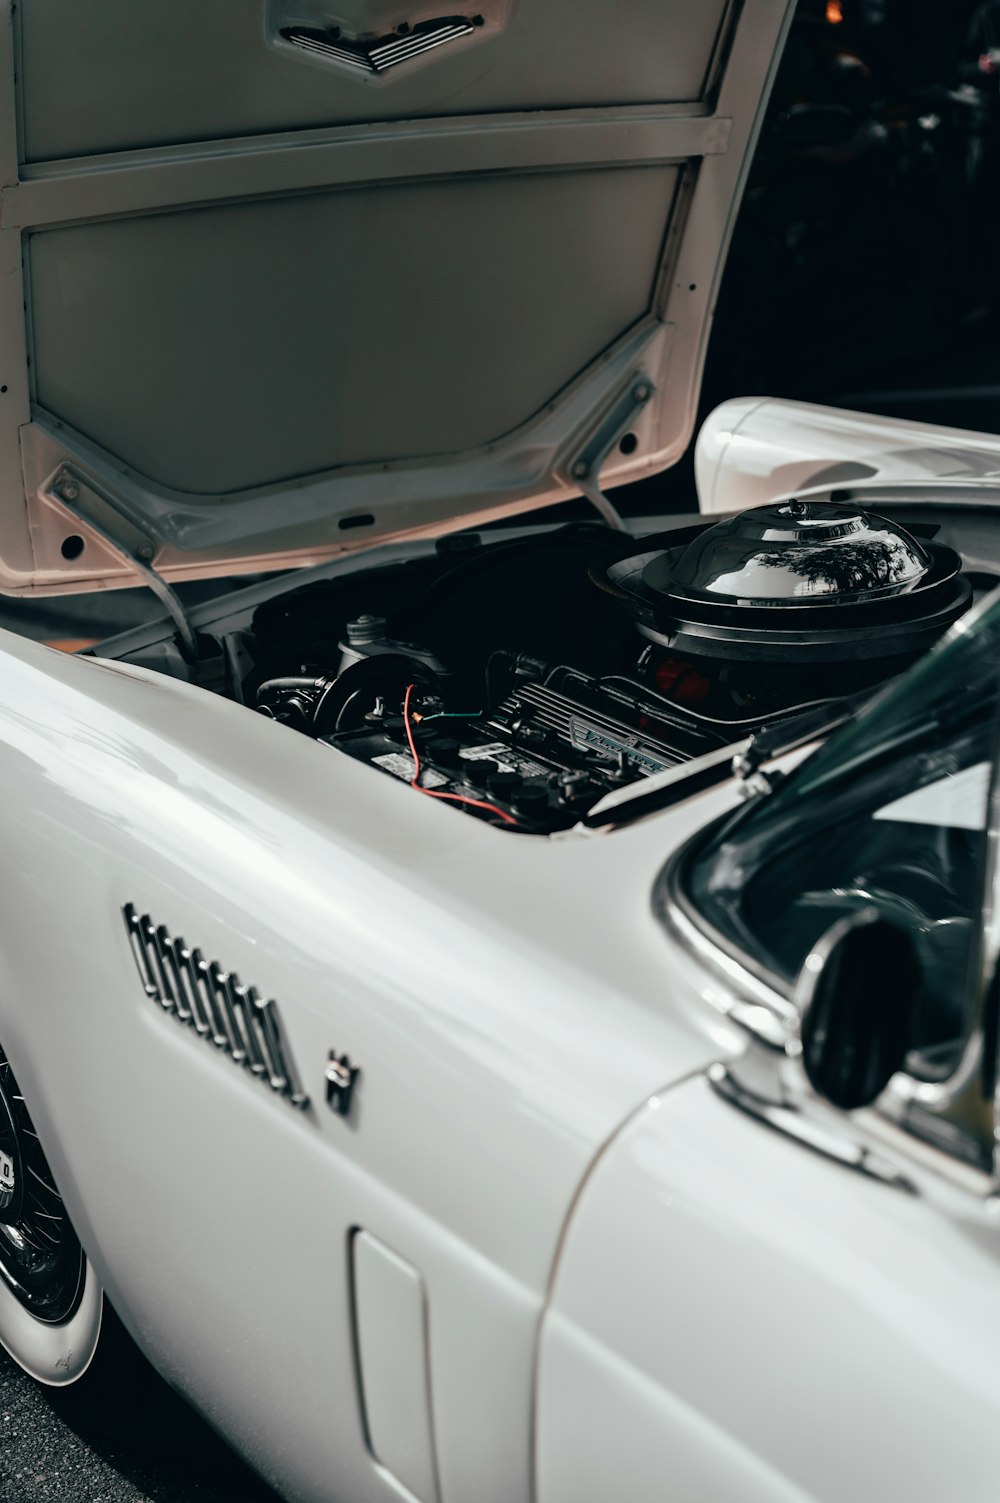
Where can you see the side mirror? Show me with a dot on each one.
(856, 995)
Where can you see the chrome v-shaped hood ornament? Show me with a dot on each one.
(379, 54)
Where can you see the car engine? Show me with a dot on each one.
(523, 682)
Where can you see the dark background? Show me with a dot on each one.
(864, 262)
(863, 274)
(863, 269)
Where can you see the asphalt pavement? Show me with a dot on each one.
(50, 1454)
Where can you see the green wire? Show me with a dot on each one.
(451, 715)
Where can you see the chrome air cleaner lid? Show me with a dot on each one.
(795, 580)
(798, 552)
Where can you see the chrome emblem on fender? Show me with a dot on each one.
(340, 1076)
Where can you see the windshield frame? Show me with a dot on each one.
(760, 999)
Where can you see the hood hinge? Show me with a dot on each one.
(583, 467)
(64, 487)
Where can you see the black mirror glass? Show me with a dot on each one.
(859, 994)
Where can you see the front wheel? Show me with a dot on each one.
(51, 1305)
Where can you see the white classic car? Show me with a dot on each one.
(501, 1009)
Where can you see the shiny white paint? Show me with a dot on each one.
(509, 1001)
(736, 1317)
(752, 450)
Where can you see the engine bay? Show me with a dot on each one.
(524, 681)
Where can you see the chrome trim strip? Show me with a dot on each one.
(795, 1124)
(723, 966)
(390, 54)
(200, 1020)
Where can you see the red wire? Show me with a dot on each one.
(458, 798)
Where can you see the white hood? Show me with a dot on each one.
(286, 276)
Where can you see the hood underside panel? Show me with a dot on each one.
(287, 277)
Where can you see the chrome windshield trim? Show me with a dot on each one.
(670, 909)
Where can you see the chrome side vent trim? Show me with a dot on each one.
(381, 53)
(214, 1002)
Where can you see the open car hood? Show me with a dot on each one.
(282, 277)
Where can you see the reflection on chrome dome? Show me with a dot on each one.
(793, 581)
(796, 551)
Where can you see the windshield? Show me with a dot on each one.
(891, 810)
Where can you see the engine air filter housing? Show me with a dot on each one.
(796, 581)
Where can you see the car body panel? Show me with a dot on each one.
(754, 450)
(278, 307)
(777, 1325)
(507, 1001)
